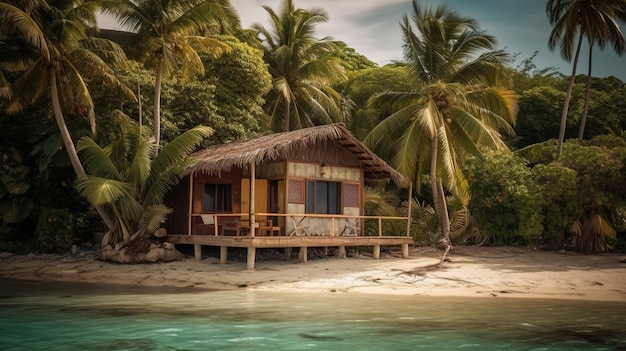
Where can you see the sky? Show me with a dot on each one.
(372, 28)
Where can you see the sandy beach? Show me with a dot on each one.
(471, 271)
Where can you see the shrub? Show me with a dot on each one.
(55, 230)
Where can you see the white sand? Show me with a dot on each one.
(472, 271)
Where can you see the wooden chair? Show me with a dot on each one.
(299, 229)
(233, 226)
(268, 228)
(352, 228)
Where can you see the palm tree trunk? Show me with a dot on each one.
(583, 118)
(287, 116)
(568, 96)
(69, 144)
(157, 105)
(439, 199)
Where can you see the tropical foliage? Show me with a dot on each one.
(573, 21)
(130, 180)
(62, 57)
(459, 103)
(171, 38)
(506, 201)
(428, 117)
(303, 69)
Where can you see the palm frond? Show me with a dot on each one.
(179, 148)
(14, 21)
(96, 160)
(103, 191)
(153, 217)
(6, 91)
(32, 85)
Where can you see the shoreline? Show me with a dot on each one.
(471, 272)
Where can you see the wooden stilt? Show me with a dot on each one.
(197, 251)
(341, 252)
(302, 255)
(251, 257)
(287, 253)
(325, 250)
(223, 254)
(405, 250)
(376, 253)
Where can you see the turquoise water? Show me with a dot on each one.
(58, 316)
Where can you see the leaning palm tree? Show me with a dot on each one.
(170, 37)
(573, 20)
(63, 61)
(130, 179)
(458, 106)
(303, 69)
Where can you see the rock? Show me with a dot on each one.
(31, 255)
(6, 254)
(160, 233)
(154, 254)
(157, 254)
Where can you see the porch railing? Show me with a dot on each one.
(296, 224)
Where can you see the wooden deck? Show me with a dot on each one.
(302, 242)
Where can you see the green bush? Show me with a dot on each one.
(505, 200)
(55, 230)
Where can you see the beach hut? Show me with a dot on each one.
(296, 189)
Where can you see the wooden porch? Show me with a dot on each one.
(342, 231)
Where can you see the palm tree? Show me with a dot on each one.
(303, 68)
(573, 20)
(608, 30)
(64, 59)
(169, 36)
(130, 179)
(458, 105)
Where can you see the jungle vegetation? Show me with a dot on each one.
(492, 144)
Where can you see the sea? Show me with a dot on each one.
(82, 317)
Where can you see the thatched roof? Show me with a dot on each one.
(284, 146)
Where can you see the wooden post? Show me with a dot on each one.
(408, 219)
(251, 257)
(302, 255)
(215, 226)
(190, 202)
(223, 254)
(251, 200)
(380, 226)
(341, 252)
(197, 251)
(405, 250)
(287, 253)
(376, 253)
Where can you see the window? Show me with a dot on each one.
(323, 197)
(217, 198)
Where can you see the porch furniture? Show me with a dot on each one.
(299, 229)
(268, 228)
(207, 219)
(352, 228)
(237, 227)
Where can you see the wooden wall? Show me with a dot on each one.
(178, 200)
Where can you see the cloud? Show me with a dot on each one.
(372, 28)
